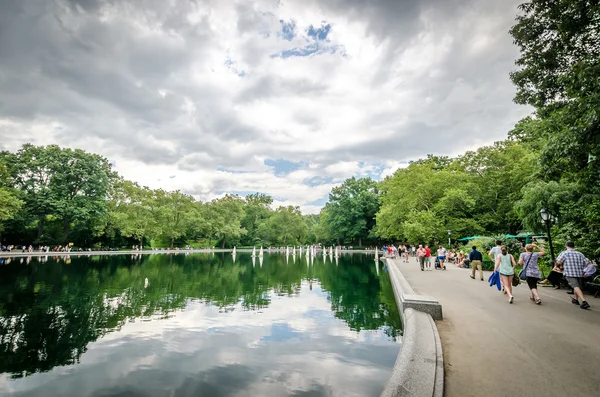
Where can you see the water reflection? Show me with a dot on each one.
(195, 325)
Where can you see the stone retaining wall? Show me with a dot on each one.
(419, 368)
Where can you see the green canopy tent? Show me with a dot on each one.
(526, 235)
(468, 238)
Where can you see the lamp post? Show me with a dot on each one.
(546, 216)
(449, 233)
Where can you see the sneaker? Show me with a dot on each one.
(482, 280)
(422, 270)
(511, 300)
(472, 277)
(585, 305)
(570, 293)
(574, 301)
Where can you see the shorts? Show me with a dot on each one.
(441, 258)
(574, 282)
(532, 282)
(427, 259)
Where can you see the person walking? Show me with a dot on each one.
(574, 262)
(442, 256)
(495, 252)
(505, 264)
(428, 258)
(529, 261)
(476, 259)
(421, 256)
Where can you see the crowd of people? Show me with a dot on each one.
(571, 267)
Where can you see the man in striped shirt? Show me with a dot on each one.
(574, 262)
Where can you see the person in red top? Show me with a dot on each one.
(427, 258)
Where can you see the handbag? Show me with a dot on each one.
(515, 281)
(523, 272)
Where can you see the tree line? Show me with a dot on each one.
(55, 196)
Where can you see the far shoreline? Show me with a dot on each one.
(13, 254)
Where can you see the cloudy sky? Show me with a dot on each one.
(284, 97)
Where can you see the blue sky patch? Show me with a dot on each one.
(310, 49)
(319, 34)
(288, 29)
(320, 202)
(317, 41)
(231, 65)
(284, 167)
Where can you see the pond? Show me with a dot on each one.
(196, 325)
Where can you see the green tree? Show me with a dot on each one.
(9, 202)
(558, 75)
(175, 212)
(223, 218)
(425, 191)
(286, 226)
(134, 211)
(257, 210)
(352, 208)
(70, 185)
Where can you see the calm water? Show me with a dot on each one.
(201, 325)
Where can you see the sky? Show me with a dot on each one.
(283, 97)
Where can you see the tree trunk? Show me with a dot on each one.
(172, 242)
(223, 242)
(141, 240)
(360, 241)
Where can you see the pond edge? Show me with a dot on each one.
(419, 368)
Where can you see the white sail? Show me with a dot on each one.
(261, 251)
(234, 251)
(253, 252)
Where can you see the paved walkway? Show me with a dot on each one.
(492, 348)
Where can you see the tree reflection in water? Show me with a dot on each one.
(50, 309)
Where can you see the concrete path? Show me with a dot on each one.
(492, 348)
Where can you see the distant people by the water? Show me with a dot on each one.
(428, 258)
(421, 257)
(574, 263)
(460, 259)
(505, 265)
(441, 252)
(529, 261)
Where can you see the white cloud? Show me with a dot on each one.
(191, 89)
